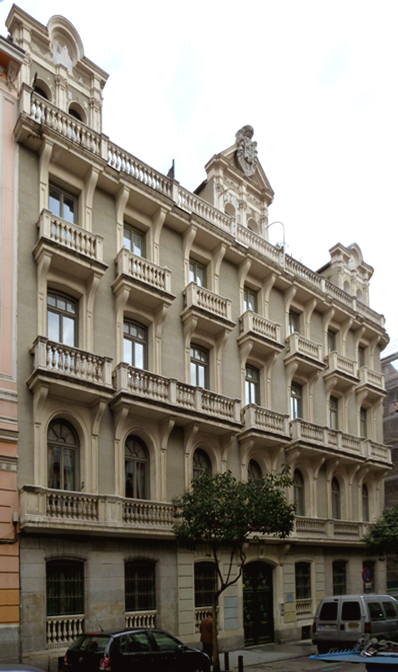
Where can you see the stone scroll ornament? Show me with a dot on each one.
(246, 152)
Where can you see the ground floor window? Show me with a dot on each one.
(205, 584)
(303, 580)
(65, 587)
(140, 586)
(339, 577)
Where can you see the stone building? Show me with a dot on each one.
(11, 58)
(160, 334)
(389, 367)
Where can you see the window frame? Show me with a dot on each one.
(252, 385)
(196, 365)
(202, 583)
(249, 295)
(365, 503)
(254, 472)
(139, 599)
(63, 314)
(296, 401)
(77, 600)
(363, 422)
(333, 413)
(133, 340)
(339, 574)
(135, 232)
(302, 574)
(299, 493)
(140, 468)
(63, 194)
(200, 468)
(294, 322)
(195, 270)
(336, 498)
(62, 446)
(331, 339)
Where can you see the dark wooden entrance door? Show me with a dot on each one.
(258, 603)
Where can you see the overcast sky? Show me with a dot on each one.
(317, 79)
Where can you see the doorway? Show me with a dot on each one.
(258, 614)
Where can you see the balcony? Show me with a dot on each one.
(311, 439)
(267, 428)
(73, 250)
(339, 531)
(70, 372)
(47, 510)
(156, 397)
(262, 335)
(206, 312)
(147, 283)
(371, 383)
(341, 372)
(304, 355)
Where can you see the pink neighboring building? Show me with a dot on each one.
(11, 58)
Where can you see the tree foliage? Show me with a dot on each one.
(225, 514)
(383, 537)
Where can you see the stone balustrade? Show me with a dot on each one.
(296, 344)
(259, 325)
(338, 363)
(304, 608)
(200, 614)
(140, 619)
(263, 419)
(204, 299)
(62, 630)
(143, 270)
(70, 236)
(171, 392)
(143, 513)
(369, 377)
(72, 362)
(43, 112)
(327, 438)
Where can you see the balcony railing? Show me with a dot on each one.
(139, 512)
(339, 364)
(298, 345)
(314, 528)
(72, 362)
(199, 297)
(72, 506)
(143, 270)
(332, 438)
(70, 236)
(62, 630)
(369, 377)
(304, 608)
(252, 322)
(146, 385)
(43, 112)
(140, 619)
(263, 419)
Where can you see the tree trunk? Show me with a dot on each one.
(216, 659)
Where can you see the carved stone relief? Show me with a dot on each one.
(246, 152)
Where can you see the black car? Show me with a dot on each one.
(134, 649)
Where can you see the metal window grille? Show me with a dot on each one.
(303, 580)
(339, 578)
(205, 584)
(140, 586)
(65, 587)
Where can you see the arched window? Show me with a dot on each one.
(65, 587)
(136, 468)
(336, 504)
(41, 88)
(76, 111)
(230, 210)
(347, 287)
(201, 463)
(205, 584)
(365, 503)
(254, 472)
(140, 585)
(298, 492)
(63, 455)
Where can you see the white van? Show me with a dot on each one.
(340, 621)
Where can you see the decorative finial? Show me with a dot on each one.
(246, 151)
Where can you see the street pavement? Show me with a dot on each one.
(291, 657)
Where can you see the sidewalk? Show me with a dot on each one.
(269, 653)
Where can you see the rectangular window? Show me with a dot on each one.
(197, 273)
(249, 300)
(205, 584)
(135, 340)
(252, 385)
(363, 422)
(65, 587)
(361, 356)
(303, 580)
(333, 413)
(62, 204)
(139, 586)
(61, 318)
(339, 578)
(199, 366)
(296, 401)
(294, 322)
(134, 240)
(331, 341)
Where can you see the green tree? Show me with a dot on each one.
(383, 537)
(226, 514)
